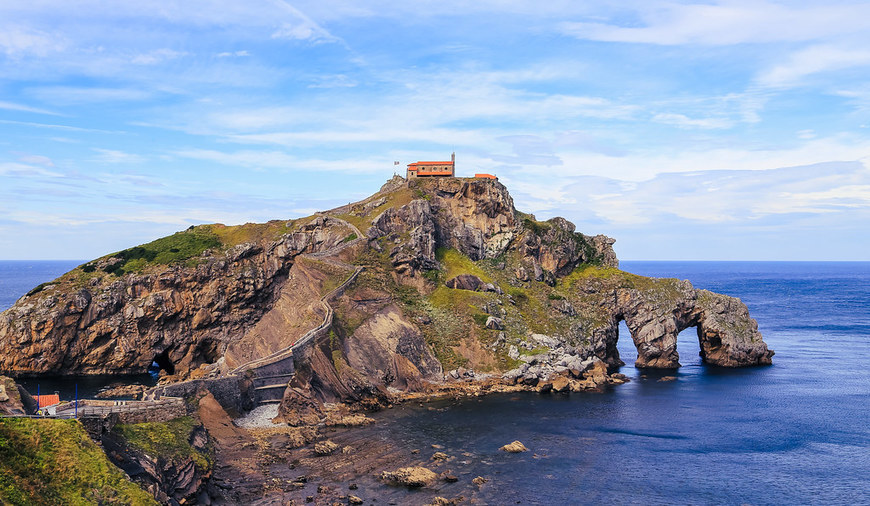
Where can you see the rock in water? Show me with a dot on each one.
(515, 447)
(415, 476)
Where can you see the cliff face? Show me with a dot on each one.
(183, 316)
(454, 279)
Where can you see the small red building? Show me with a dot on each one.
(485, 176)
(433, 169)
(45, 401)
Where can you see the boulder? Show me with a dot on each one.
(560, 384)
(515, 447)
(466, 282)
(494, 323)
(414, 476)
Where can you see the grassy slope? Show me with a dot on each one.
(54, 462)
(170, 440)
(180, 248)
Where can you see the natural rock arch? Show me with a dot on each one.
(656, 315)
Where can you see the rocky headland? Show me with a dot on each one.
(430, 287)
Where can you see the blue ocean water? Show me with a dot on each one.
(797, 432)
(17, 277)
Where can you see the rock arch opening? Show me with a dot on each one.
(162, 362)
(655, 339)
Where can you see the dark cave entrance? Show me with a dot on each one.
(162, 363)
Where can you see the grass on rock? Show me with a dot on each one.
(54, 462)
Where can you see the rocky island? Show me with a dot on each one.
(428, 287)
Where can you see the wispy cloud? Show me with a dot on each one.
(727, 23)
(114, 157)
(238, 54)
(683, 121)
(157, 56)
(19, 42)
(65, 95)
(9, 106)
(813, 60)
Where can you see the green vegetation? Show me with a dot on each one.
(350, 237)
(538, 227)
(480, 318)
(54, 462)
(172, 249)
(456, 263)
(362, 218)
(253, 232)
(38, 288)
(168, 439)
(181, 248)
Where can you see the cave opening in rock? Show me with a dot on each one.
(162, 363)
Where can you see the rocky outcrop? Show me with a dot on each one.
(515, 447)
(14, 399)
(180, 316)
(655, 312)
(414, 477)
(389, 349)
(170, 478)
(298, 407)
(454, 278)
(477, 218)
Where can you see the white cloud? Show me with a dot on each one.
(9, 106)
(157, 56)
(112, 156)
(37, 159)
(26, 170)
(17, 42)
(813, 60)
(728, 23)
(282, 161)
(228, 54)
(300, 26)
(77, 95)
(716, 197)
(683, 121)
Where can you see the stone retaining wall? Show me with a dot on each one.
(232, 392)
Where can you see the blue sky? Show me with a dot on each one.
(722, 130)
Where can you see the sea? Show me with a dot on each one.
(796, 432)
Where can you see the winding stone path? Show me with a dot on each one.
(273, 372)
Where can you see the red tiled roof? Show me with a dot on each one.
(47, 400)
(448, 162)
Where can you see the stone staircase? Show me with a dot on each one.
(270, 389)
(271, 374)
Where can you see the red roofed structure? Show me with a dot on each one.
(433, 169)
(47, 400)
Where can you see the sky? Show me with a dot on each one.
(719, 130)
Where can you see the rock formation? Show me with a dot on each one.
(453, 278)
